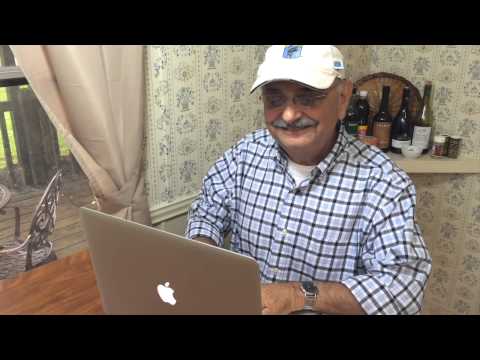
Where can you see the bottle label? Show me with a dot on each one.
(362, 130)
(352, 129)
(381, 130)
(398, 144)
(421, 136)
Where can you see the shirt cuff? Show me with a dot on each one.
(372, 295)
(196, 228)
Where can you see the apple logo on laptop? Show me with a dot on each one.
(166, 293)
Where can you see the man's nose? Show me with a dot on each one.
(291, 114)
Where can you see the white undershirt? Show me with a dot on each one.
(300, 172)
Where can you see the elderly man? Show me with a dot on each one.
(330, 220)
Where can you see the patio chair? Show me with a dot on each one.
(19, 255)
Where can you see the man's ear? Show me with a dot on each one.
(344, 98)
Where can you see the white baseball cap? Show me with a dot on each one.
(316, 66)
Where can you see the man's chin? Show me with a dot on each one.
(294, 142)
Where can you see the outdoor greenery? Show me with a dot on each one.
(11, 137)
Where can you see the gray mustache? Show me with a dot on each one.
(299, 124)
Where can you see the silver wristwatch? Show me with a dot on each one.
(310, 291)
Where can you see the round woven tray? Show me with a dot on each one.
(374, 83)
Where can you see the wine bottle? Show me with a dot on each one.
(400, 125)
(351, 120)
(363, 109)
(382, 122)
(422, 129)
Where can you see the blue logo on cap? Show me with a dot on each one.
(292, 51)
(338, 65)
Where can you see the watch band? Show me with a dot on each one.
(310, 291)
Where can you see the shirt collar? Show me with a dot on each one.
(279, 160)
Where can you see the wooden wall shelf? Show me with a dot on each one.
(425, 164)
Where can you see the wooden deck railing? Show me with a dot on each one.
(36, 154)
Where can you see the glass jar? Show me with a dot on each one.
(454, 146)
(438, 148)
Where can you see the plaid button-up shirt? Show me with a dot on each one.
(353, 221)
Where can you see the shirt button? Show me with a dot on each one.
(275, 270)
(285, 231)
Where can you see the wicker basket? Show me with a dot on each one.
(374, 84)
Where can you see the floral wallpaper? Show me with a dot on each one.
(448, 206)
(198, 104)
(357, 60)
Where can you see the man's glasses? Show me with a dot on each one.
(274, 101)
(277, 100)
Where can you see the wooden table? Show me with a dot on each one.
(65, 286)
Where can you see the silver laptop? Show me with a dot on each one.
(142, 270)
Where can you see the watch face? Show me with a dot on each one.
(309, 287)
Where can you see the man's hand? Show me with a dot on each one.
(281, 298)
(205, 240)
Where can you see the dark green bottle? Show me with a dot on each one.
(351, 119)
(400, 126)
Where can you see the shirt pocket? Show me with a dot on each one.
(337, 251)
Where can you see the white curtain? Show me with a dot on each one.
(95, 97)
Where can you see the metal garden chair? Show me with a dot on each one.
(18, 255)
